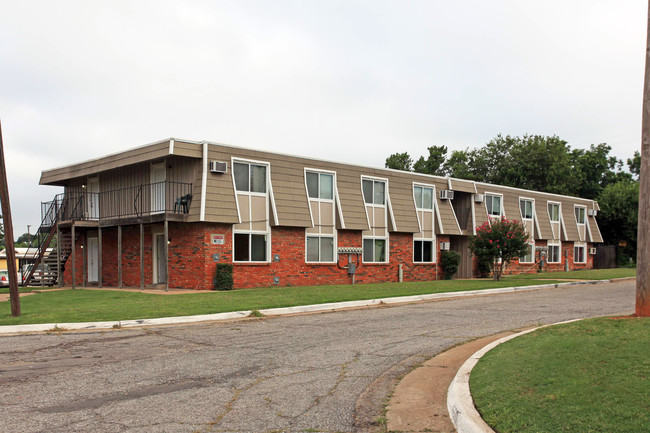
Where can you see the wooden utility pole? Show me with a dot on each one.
(14, 296)
(643, 240)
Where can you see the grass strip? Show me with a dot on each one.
(590, 274)
(588, 376)
(103, 305)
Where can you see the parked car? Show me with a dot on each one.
(43, 276)
(4, 278)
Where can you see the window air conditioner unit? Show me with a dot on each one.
(592, 212)
(444, 246)
(218, 167)
(592, 251)
(446, 194)
(479, 198)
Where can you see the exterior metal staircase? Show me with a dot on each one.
(47, 268)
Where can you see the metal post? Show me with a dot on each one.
(119, 256)
(74, 254)
(141, 256)
(84, 266)
(59, 274)
(166, 258)
(99, 264)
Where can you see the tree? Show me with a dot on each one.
(24, 240)
(500, 241)
(634, 164)
(433, 164)
(399, 161)
(618, 215)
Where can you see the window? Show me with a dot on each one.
(250, 177)
(554, 212)
(423, 251)
(251, 236)
(580, 214)
(493, 204)
(425, 240)
(320, 248)
(529, 257)
(423, 197)
(554, 252)
(526, 208)
(374, 250)
(320, 185)
(250, 247)
(374, 191)
(579, 252)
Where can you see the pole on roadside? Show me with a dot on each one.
(643, 239)
(14, 296)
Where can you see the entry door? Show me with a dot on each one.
(93, 260)
(461, 246)
(92, 198)
(159, 259)
(158, 177)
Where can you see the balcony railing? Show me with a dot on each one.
(131, 202)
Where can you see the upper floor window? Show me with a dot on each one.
(526, 208)
(423, 197)
(249, 177)
(580, 214)
(374, 191)
(320, 185)
(554, 212)
(493, 204)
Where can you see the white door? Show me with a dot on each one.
(92, 198)
(158, 176)
(93, 260)
(159, 259)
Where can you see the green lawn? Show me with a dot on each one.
(94, 305)
(588, 376)
(592, 274)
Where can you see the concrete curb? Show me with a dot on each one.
(42, 327)
(460, 404)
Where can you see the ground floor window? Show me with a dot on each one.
(529, 257)
(423, 251)
(250, 247)
(374, 250)
(554, 253)
(579, 252)
(320, 249)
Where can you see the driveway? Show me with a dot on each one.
(324, 372)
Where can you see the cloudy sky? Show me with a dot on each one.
(350, 81)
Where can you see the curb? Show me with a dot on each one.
(334, 306)
(460, 403)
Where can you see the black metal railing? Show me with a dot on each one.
(136, 201)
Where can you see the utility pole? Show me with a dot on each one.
(14, 296)
(643, 243)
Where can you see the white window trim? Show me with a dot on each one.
(559, 256)
(582, 245)
(502, 210)
(559, 211)
(434, 212)
(270, 203)
(334, 201)
(532, 200)
(532, 246)
(363, 259)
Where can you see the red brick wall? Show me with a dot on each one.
(191, 263)
(567, 252)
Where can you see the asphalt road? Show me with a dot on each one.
(323, 372)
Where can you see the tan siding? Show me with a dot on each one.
(58, 176)
(595, 230)
(192, 150)
(463, 185)
(447, 217)
(569, 220)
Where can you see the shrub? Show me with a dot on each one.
(223, 277)
(450, 261)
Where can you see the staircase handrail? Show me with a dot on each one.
(51, 215)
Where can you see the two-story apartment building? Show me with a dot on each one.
(168, 212)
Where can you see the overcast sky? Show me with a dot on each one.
(351, 81)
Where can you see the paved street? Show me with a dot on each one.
(323, 372)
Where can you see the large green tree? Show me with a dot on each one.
(433, 163)
(618, 215)
(399, 161)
